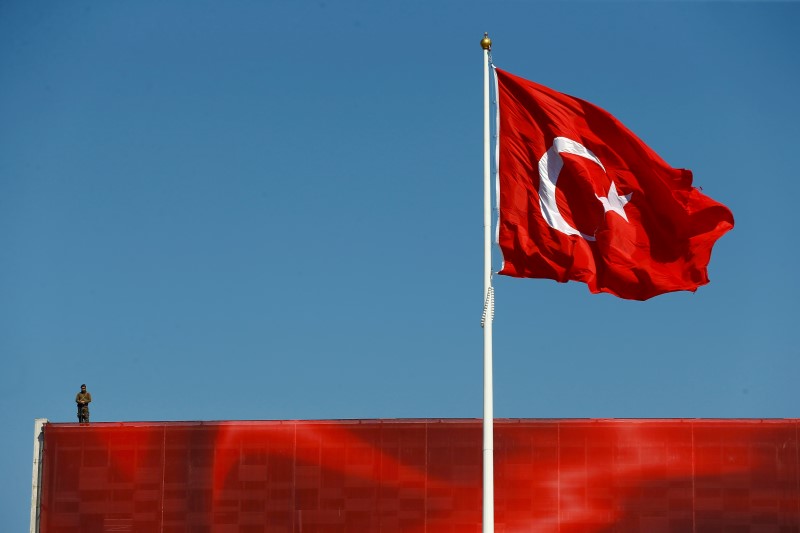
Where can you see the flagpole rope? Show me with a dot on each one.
(488, 307)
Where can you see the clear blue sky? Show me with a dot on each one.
(272, 210)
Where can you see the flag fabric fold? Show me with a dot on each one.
(582, 198)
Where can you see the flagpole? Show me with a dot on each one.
(488, 408)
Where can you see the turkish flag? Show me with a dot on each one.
(581, 198)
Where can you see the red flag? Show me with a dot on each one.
(583, 199)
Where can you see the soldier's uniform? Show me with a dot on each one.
(82, 399)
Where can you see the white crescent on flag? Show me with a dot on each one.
(550, 166)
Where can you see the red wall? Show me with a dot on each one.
(416, 476)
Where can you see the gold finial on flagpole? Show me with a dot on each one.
(486, 43)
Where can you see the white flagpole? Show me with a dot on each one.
(488, 408)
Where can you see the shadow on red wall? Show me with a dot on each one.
(421, 476)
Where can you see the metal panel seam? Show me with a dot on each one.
(558, 473)
(694, 476)
(163, 472)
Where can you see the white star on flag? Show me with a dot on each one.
(615, 202)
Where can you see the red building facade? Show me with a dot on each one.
(421, 476)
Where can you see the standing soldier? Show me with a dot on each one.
(83, 399)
